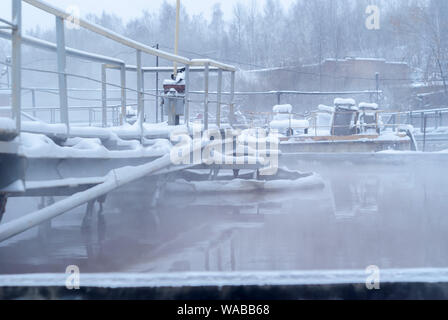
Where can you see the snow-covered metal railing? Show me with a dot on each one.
(141, 48)
(394, 121)
(191, 65)
(115, 179)
(419, 118)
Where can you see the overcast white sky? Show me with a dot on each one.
(126, 9)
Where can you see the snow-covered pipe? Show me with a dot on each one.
(115, 179)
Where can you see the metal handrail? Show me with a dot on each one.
(127, 41)
(49, 46)
(193, 65)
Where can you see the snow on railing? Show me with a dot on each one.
(17, 39)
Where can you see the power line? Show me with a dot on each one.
(80, 77)
(293, 71)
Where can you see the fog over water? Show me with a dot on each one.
(391, 215)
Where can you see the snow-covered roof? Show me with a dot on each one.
(371, 106)
(344, 102)
(282, 108)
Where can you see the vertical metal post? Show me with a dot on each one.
(206, 78)
(33, 101)
(436, 119)
(123, 93)
(176, 36)
(232, 98)
(157, 88)
(424, 132)
(143, 96)
(104, 95)
(187, 95)
(377, 80)
(17, 62)
(218, 99)
(63, 99)
(141, 111)
(422, 123)
(8, 76)
(279, 98)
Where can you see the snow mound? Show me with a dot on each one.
(89, 144)
(282, 108)
(325, 108)
(293, 123)
(7, 124)
(371, 106)
(344, 102)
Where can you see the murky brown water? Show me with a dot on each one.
(390, 215)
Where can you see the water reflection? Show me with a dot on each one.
(392, 216)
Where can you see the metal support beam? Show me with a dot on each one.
(126, 41)
(143, 97)
(115, 179)
(422, 121)
(176, 36)
(63, 99)
(232, 99)
(104, 95)
(10, 25)
(206, 82)
(17, 62)
(123, 94)
(157, 87)
(218, 99)
(33, 102)
(51, 47)
(110, 34)
(187, 96)
(141, 111)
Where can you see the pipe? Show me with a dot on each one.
(62, 76)
(213, 63)
(107, 33)
(115, 179)
(16, 90)
(49, 46)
